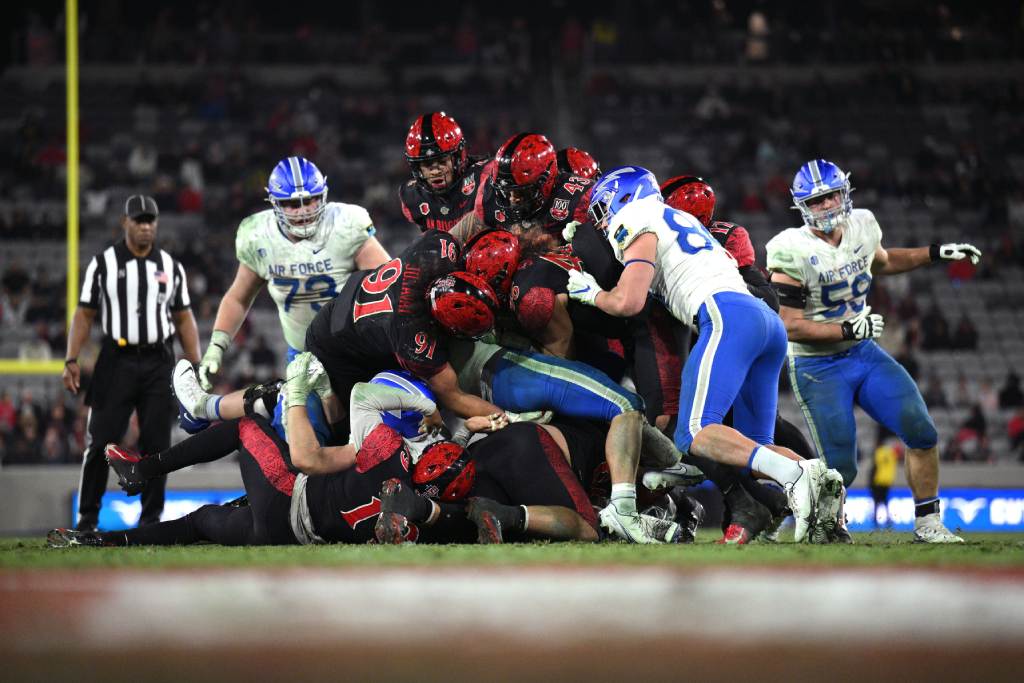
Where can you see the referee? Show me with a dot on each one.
(143, 297)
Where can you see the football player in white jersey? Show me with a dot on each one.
(303, 248)
(736, 361)
(823, 271)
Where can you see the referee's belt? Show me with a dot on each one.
(122, 345)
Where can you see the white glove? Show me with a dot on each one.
(956, 252)
(583, 287)
(867, 325)
(541, 417)
(569, 231)
(210, 364)
(305, 374)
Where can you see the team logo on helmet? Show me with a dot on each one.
(494, 256)
(444, 471)
(499, 216)
(463, 304)
(424, 208)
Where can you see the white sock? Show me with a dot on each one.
(624, 498)
(208, 408)
(771, 464)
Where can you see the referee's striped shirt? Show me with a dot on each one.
(135, 295)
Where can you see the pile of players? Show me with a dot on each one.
(599, 343)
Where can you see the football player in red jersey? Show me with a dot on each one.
(445, 180)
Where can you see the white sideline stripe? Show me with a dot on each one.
(545, 607)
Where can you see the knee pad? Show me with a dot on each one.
(921, 433)
(535, 308)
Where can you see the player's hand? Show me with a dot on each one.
(867, 325)
(569, 231)
(210, 364)
(297, 384)
(583, 287)
(431, 424)
(72, 377)
(487, 423)
(958, 252)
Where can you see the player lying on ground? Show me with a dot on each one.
(823, 271)
(742, 344)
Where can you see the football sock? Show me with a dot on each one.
(523, 520)
(208, 445)
(209, 407)
(926, 506)
(771, 464)
(624, 498)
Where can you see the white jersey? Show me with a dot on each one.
(837, 278)
(690, 264)
(303, 275)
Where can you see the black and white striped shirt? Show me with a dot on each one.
(135, 295)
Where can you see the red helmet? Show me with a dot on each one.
(527, 165)
(494, 256)
(444, 471)
(576, 162)
(463, 304)
(431, 136)
(690, 194)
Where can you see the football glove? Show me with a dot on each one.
(867, 325)
(954, 252)
(569, 231)
(305, 374)
(583, 287)
(210, 364)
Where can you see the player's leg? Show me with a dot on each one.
(269, 479)
(889, 395)
(106, 422)
(824, 389)
(660, 347)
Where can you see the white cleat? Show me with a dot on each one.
(930, 529)
(187, 389)
(803, 496)
(638, 528)
(679, 474)
(826, 513)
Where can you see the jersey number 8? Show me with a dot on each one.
(692, 237)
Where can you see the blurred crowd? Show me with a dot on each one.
(934, 156)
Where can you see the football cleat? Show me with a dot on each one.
(186, 387)
(770, 534)
(826, 512)
(803, 495)
(639, 528)
(841, 534)
(491, 518)
(679, 474)
(125, 462)
(736, 534)
(68, 538)
(930, 529)
(398, 504)
(689, 514)
(747, 519)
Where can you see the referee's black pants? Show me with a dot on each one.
(127, 379)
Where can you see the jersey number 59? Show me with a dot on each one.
(832, 295)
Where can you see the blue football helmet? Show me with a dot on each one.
(294, 183)
(818, 178)
(618, 187)
(405, 422)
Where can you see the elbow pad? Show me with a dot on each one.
(793, 296)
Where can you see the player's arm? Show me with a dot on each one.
(792, 300)
(629, 295)
(188, 333)
(445, 385)
(232, 311)
(467, 228)
(81, 325)
(371, 255)
(892, 261)
(306, 452)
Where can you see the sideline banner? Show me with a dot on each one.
(964, 509)
(122, 512)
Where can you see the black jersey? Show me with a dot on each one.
(441, 211)
(382, 316)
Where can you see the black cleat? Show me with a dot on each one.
(743, 514)
(67, 538)
(397, 504)
(125, 462)
(490, 517)
(689, 514)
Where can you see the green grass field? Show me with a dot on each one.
(873, 549)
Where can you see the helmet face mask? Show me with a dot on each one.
(527, 166)
(815, 182)
(297, 191)
(433, 139)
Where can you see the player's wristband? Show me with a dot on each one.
(933, 252)
(69, 361)
(639, 260)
